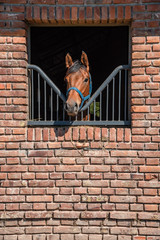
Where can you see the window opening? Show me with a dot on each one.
(106, 48)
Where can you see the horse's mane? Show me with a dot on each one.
(75, 67)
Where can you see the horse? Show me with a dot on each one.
(79, 84)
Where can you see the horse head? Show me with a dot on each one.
(78, 82)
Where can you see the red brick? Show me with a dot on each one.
(97, 15)
(150, 192)
(66, 214)
(96, 168)
(80, 206)
(23, 237)
(74, 12)
(89, 14)
(95, 183)
(67, 237)
(149, 216)
(39, 183)
(139, 238)
(104, 17)
(38, 206)
(41, 168)
(156, 47)
(152, 161)
(11, 230)
(30, 134)
(38, 215)
(149, 231)
(97, 134)
(151, 39)
(149, 169)
(75, 134)
(112, 134)
(90, 215)
(94, 191)
(123, 230)
(123, 184)
(40, 153)
(153, 55)
(39, 198)
(140, 78)
(69, 176)
(120, 153)
(119, 14)
(66, 198)
(138, 40)
(67, 14)
(123, 215)
(35, 230)
(14, 168)
(68, 168)
(151, 208)
(153, 8)
(149, 199)
(67, 229)
(81, 15)
(41, 175)
(156, 63)
(111, 14)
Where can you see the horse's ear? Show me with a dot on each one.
(69, 61)
(84, 60)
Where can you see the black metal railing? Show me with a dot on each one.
(109, 105)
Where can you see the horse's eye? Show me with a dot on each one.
(65, 80)
(86, 80)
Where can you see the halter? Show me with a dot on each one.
(81, 95)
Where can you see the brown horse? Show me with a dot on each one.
(79, 85)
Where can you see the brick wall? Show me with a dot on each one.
(80, 183)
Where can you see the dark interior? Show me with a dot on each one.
(106, 48)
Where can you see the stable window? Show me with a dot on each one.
(107, 49)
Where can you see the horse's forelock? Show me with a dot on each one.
(75, 67)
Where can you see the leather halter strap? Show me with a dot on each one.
(79, 92)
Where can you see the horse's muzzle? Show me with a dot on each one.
(71, 107)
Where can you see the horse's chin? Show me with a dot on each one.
(72, 114)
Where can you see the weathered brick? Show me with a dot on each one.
(66, 214)
(39, 215)
(123, 215)
(90, 215)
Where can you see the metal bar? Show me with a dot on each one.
(119, 107)
(107, 101)
(51, 104)
(39, 98)
(78, 123)
(113, 96)
(45, 107)
(48, 80)
(100, 106)
(81, 115)
(125, 95)
(94, 111)
(104, 84)
(63, 112)
(57, 106)
(88, 114)
(32, 96)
